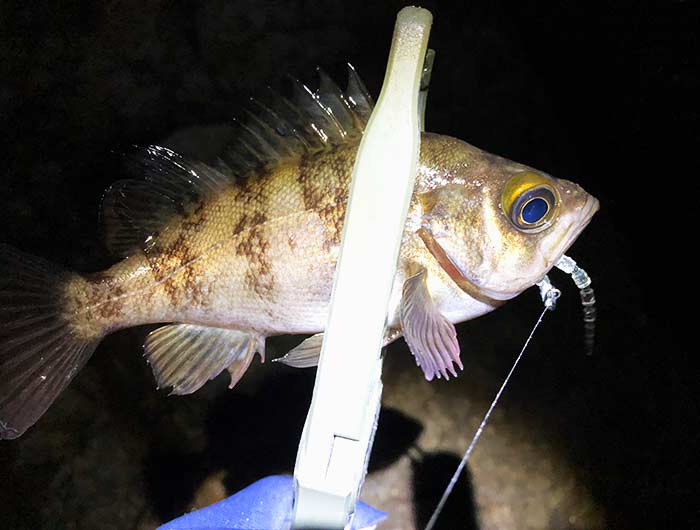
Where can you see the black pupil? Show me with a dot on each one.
(534, 210)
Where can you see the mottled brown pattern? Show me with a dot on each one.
(200, 210)
(101, 309)
(250, 204)
(325, 190)
(253, 190)
(224, 243)
(257, 218)
(260, 254)
(333, 216)
(98, 303)
(181, 255)
(241, 224)
(314, 189)
(254, 247)
(197, 218)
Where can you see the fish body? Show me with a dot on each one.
(259, 257)
(230, 262)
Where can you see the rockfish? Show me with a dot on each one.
(228, 255)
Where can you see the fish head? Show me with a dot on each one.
(503, 225)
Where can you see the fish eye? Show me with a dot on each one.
(529, 200)
(534, 210)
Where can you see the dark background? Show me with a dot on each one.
(561, 86)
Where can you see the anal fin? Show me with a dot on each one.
(185, 356)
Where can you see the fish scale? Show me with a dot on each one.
(227, 256)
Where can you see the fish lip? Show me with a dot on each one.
(589, 210)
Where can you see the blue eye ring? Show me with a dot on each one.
(533, 210)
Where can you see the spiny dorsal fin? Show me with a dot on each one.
(273, 129)
(358, 97)
(279, 128)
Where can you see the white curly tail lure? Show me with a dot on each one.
(550, 294)
(583, 282)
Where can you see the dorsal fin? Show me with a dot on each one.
(277, 128)
(134, 211)
(273, 129)
(358, 97)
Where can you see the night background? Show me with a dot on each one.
(576, 443)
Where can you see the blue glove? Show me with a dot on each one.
(264, 505)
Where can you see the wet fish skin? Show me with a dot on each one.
(235, 262)
(261, 257)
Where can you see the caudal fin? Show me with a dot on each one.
(39, 352)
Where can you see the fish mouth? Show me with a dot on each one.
(589, 209)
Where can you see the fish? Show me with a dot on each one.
(225, 255)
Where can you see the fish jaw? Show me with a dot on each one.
(580, 207)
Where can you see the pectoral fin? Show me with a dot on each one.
(184, 357)
(431, 338)
(308, 353)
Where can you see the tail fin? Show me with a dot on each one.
(39, 352)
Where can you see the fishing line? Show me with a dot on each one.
(469, 450)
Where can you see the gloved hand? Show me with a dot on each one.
(264, 505)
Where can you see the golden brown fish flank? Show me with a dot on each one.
(228, 261)
(230, 232)
(181, 260)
